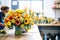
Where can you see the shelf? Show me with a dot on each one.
(56, 8)
(48, 24)
(58, 2)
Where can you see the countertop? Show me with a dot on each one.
(48, 24)
(33, 34)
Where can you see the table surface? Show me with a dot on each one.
(48, 24)
(33, 34)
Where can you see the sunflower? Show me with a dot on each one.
(10, 17)
(26, 15)
(17, 22)
(19, 11)
(27, 21)
(5, 20)
(18, 15)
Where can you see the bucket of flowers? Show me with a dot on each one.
(20, 19)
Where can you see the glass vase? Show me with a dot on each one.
(18, 31)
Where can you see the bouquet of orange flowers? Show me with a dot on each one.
(20, 19)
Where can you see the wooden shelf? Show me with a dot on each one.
(56, 8)
(58, 2)
(48, 24)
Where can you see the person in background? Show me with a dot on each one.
(4, 9)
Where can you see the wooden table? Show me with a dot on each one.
(48, 24)
(33, 34)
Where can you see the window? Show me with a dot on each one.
(35, 5)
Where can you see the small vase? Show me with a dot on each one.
(18, 31)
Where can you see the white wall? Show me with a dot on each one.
(6, 3)
(48, 11)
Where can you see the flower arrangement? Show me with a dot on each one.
(20, 19)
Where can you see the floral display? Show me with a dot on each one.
(20, 19)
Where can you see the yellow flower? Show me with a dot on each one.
(49, 19)
(31, 19)
(31, 11)
(21, 19)
(27, 21)
(32, 23)
(22, 25)
(19, 11)
(31, 15)
(18, 15)
(36, 18)
(1, 30)
(10, 12)
(14, 14)
(26, 15)
(42, 18)
(13, 20)
(10, 17)
(9, 23)
(27, 29)
(6, 25)
(5, 20)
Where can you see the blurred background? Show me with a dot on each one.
(48, 10)
(36, 5)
